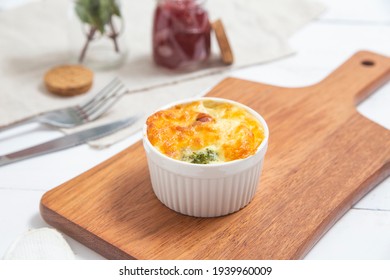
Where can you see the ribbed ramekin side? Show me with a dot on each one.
(204, 197)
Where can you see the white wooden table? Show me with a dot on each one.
(347, 27)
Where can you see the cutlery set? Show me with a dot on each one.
(73, 116)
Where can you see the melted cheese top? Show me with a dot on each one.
(207, 125)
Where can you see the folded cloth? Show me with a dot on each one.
(40, 244)
(34, 40)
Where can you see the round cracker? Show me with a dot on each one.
(68, 80)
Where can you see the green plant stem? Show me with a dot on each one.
(114, 35)
(90, 35)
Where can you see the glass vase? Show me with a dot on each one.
(97, 34)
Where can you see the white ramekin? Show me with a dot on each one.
(205, 190)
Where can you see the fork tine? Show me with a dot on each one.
(104, 106)
(102, 98)
(101, 93)
(97, 104)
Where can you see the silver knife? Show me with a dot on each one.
(66, 141)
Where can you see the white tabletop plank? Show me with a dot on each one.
(360, 234)
(358, 11)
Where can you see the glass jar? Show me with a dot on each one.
(181, 34)
(96, 33)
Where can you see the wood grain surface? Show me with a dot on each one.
(323, 156)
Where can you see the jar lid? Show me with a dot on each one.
(223, 42)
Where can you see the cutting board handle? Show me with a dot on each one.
(357, 78)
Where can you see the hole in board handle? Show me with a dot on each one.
(368, 63)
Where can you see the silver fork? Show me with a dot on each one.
(85, 112)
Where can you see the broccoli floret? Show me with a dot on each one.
(202, 157)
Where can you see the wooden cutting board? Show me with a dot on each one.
(323, 157)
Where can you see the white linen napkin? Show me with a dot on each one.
(34, 39)
(40, 244)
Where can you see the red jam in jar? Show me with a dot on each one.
(181, 34)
